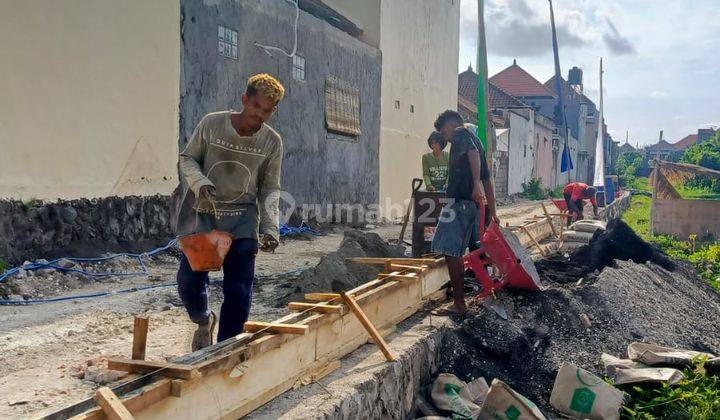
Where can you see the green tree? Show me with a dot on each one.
(705, 154)
(627, 165)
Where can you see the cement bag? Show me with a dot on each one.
(589, 226)
(648, 375)
(451, 394)
(652, 354)
(582, 395)
(612, 364)
(575, 236)
(503, 403)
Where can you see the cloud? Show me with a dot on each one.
(658, 94)
(515, 29)
(616, 43)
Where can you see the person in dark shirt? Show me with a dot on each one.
(469, 186)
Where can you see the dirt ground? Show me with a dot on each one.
(44, 348)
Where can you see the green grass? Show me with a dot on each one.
(640, 184)
(705, 257)
(695, 397)
(689, 193)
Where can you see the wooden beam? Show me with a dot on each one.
(256, 326)
(322, 297)
(420, 268)
(171, 370)
(315, 307)
(549, 219)
(377, 338)
(140, 329)
(111, 405)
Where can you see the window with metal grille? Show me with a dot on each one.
(298, 70)
(227, 42)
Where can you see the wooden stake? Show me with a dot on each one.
(111, 405)
(140, 329)
(549, 219)
(255, 326)
(377, 338)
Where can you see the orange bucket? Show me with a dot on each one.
(206, 251)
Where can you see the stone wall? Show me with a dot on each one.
(82, 227)
(616, 208)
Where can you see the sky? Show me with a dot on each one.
(661, 59)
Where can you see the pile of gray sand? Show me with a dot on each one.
(334, 273)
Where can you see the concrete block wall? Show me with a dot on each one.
(318, 168)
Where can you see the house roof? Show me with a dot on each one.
(517, 82)
(661, 145)
(685, 142)
(627, 147)
(565, 86)
(497, 97)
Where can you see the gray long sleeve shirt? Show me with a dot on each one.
(245, 172)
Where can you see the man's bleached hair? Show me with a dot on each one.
(266, 85)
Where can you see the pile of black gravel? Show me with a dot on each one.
(627, 301)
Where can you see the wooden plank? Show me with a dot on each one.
(111, 405)
(397, 275)
(368, 326)
(273, 363)
(140, 329)
(256, 326)
(322, 297)
(383, 261)
(419, 268)
(549, 219)
(171, 370)
(315, 307)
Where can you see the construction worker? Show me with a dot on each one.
(231, 172)
(435, 163)
(469, 186)
(574, 194)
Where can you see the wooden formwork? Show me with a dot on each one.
(232, 378)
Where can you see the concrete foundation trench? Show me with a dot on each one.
(523, 337)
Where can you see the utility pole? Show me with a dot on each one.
(484, 132)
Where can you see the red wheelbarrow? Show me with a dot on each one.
(560, 204)
(500, 261)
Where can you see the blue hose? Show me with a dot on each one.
(286, 230)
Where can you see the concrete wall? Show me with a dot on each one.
(419, 42)
(685, 217)
(544, 168)
(317, 167)
(365, 14)
(89, 97)
(521, 158)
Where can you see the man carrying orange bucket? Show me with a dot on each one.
(230, 178)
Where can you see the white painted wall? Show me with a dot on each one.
(363, 13)
(419, 43)
(89, 97)
(521, 157)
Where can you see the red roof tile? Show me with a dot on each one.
(498, 98)
(517, 82)
(685, 142)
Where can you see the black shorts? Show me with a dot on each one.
(578, 203)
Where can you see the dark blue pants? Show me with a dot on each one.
(238, 275)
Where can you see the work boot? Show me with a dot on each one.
(204, 333)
